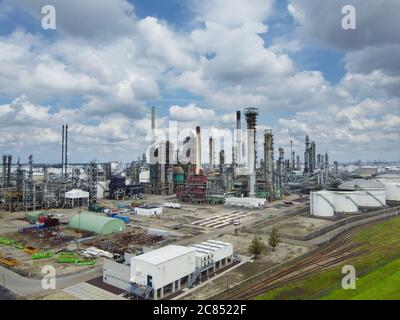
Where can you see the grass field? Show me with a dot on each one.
(382, 283)
(378, 270)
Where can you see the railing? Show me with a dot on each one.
(197, 273)
(140, 291)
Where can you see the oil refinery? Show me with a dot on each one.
(180, 155)
(182, 212)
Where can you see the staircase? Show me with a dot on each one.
(141, 291)
(197, 273)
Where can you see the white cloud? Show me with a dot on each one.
(190, 113)
(234, 14)
(107, 76)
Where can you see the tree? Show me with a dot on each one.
(256, 246)
(274, 239)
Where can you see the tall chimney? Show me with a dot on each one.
(221, 161)
(269, 160)
(4, 171)
(238, 120)
(238, 146)
(153, 124)
(9, 170)
(198, 151)
(211, 146)
(291, 155)
(62, 153)
(66, 150)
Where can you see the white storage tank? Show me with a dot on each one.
(369, 193)
(322, 204)
(344, 201)
(392, 191)
(389, 177)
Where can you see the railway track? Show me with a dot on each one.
(332, 255)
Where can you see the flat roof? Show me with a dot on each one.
(164, 254)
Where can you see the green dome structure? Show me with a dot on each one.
(96, 223)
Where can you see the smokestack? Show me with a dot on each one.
(269, 160)
(198, 150)
(221, 161)
(251, 162)
(66, 150)
(62, 153)
(237, 152)
(293, 161)
(9, 170)
(307, 156)
(211, 153)
(312, 157)
(326, 167)
(4, 171)
(291, 155)
(238, 120)
(298, 162)
(153, 124)
(251, 119)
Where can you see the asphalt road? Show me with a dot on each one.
(26, 286)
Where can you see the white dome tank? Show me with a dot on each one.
(344, 202)
(368, 193)
(322, 204)
(392, 191)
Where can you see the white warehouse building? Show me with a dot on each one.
(163, 269)
(168, 269)
(253, 203)
(149, 210)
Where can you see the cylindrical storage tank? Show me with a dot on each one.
(388, 177)
(371, 198)
(392, 191)
(344, 203)
(369, 193)
(322, 204)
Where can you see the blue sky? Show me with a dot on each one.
(197, 61)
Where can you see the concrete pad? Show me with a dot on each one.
(86, 291)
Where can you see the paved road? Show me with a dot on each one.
(26, 286)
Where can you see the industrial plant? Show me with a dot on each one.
(170, 224)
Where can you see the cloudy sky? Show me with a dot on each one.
(198, 61)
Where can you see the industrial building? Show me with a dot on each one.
(252, 203)
(168, 269)
(76, 198)
(96, 223)
(149, 210)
